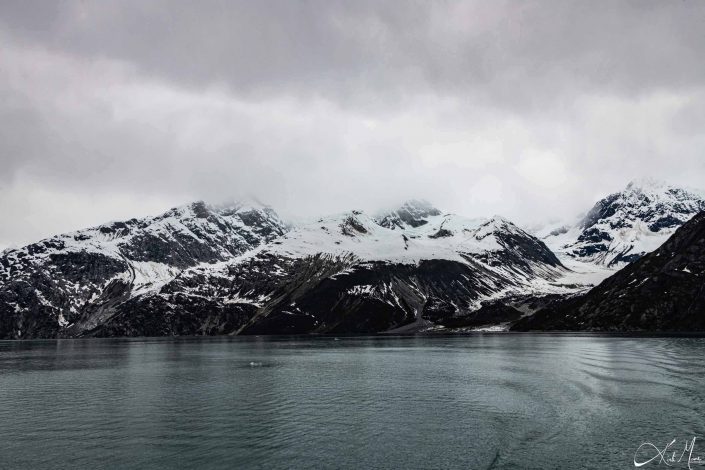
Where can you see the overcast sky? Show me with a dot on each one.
(531, 110)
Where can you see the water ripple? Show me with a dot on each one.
(479, 401)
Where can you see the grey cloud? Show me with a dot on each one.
(358, 53)
(529, 109)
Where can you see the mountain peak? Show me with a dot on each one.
(661, 188)
(661, 291)
(412, 213)
(647, 184)
(625, 225)
(248, 204)
(421, 205)
(498, 219)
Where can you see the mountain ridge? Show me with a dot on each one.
(63, 278)
(346, 273)
(625, 225)
(240, 269)
(662, 291)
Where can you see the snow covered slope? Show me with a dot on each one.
(71, 279)
(625, 225)
(436, 236)
(239, 269)
(498, 244)
(352, 272)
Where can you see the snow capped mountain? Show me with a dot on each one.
(662, 291)
(239, 269)
(71, 279)
(432, 235)
(625, 225)
(416, 232)
(349, 273)
(410, 214)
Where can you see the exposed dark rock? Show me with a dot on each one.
(667, 221)
(441, 233)
(603, 209)
(594, 235)
(486, 315)
(412, 214)
(437, 309)
(662, 291)
(351, 226)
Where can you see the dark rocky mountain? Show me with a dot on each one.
(202, 270)
(662, 291)
(626, 225)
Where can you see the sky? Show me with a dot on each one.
(528, 109)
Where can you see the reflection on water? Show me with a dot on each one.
(482, 401)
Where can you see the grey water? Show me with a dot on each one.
(476, 401)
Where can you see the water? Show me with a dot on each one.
(482, 401)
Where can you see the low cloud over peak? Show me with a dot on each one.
(527, 109)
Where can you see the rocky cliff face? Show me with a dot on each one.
(662, 291)
(626, 225)
(241, 270)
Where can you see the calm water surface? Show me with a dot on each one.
(482, 401)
